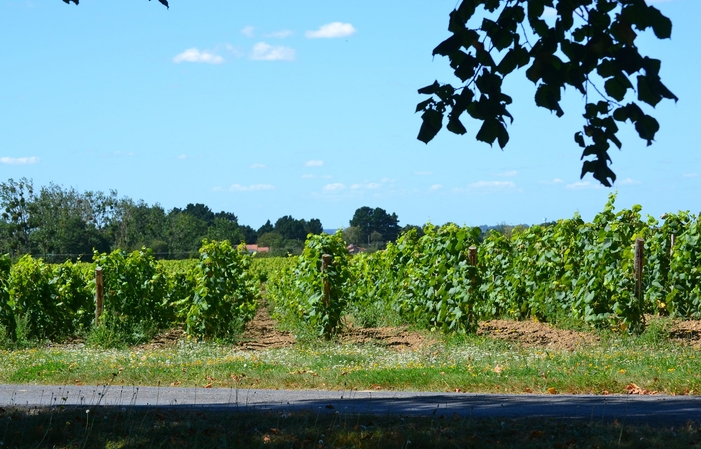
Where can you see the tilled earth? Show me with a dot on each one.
(261, 333)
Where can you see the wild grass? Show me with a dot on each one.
(649, 361)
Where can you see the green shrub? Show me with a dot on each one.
(225, 293)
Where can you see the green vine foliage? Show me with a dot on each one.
(225, 292)
(300, 293)
(684, 297)
(441, 289)
(136, 293)
(8, 324)
(590, 46)
(604, 292)
(54, 302)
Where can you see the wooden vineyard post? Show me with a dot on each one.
(639, 263)
(99, 294)
(472, 255)
(326, 260)
(672, 241)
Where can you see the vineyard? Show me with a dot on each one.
(449, 279)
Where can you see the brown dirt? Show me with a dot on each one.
(686, 332)
(532, 333)
(261, 333)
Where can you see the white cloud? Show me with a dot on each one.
(194, 55)
(423, 173)
(311, 176)
(387, 180)
(583, 185)
(19, 160)
(554, 181)
(508, 174)
(218, 189)
(254, 187)
(332, 30)
(248, 31)
(282, 34)
(435, 187)
(258, 165)
(333, 187)
(627, 182)
(492, 185)
(365, 186)
(314, 163)
(123, 154)
(690, 175)
(182, 156)
(266, 52)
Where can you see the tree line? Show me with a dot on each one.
(59, 223)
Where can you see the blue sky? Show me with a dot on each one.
(306, 109)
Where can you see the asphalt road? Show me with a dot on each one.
(645, 409)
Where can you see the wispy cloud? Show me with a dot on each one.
(258, 165)
(334, 187)
(311, 176)
(248, 31)
(251, 188)
(314, 163)
(508, 174)
(282, 34)
(182, 156)
(690, 175)
(492, 185)
(119, 153)
(19, 160)
(266, 52)
(435, 187)
(423, 173)
(627, 182)
(387, 180)
(332, 30)
(365, 186)
(194, 55)
(554, 181)
(583, 185)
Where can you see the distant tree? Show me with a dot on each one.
(354, 235)
(200, 211)
(224, 229)
(185, 234)
(313, 226)
(290, 228)
(267, 227)
(271, 240)
(419, 230)
(250, 235)
(16, 202)
(370, 220)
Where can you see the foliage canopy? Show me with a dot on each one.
(591, 42)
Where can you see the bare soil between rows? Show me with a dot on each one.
(261, 333)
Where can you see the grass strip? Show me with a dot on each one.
(471, 364)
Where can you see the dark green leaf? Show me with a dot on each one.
(448, 46)
(432, 123)
(430, 90)
(489, 132)
(421, 106)
(647, 127)
(661, 25)
(579, 138)
(455, 125)
(646, 94)
(503, 136)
